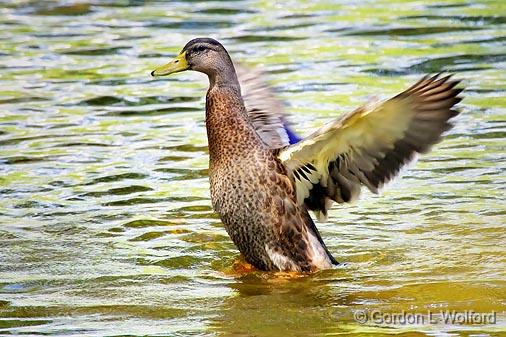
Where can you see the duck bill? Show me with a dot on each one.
(176, 65)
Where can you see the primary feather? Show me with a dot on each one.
(368, 146)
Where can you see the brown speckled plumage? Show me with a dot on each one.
(262, 188)
(250, 188)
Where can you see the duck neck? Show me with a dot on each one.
(223, 75)
(230, 133)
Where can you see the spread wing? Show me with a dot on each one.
(266, 111)
(368, 146)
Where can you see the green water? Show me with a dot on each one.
(106, 227)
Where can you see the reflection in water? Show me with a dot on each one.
(272, 305)
(105, 219)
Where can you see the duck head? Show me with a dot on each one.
(204, 55)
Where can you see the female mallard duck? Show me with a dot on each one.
(264, 179)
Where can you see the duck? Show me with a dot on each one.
(264, 179)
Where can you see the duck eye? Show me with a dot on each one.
(200, 48)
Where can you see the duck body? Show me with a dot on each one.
(265, 180)
(252, 193)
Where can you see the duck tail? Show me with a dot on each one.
(314, 230)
